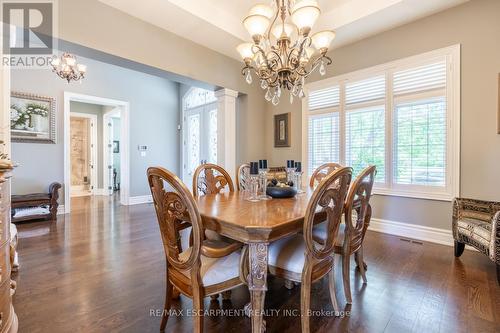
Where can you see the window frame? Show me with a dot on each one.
(453, 111)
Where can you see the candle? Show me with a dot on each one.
(292, 164)
(261, 164)
(298, 166)
(264, 162)
(254, 168)
(288, 164)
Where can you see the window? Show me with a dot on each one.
(323, 127)
(365, 125)
(402, 116)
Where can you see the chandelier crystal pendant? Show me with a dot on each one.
(284, 52)
(67, 68)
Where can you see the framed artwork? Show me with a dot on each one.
(116, 147)
(282, 130)
(32, 118)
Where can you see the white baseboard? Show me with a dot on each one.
(61, 210)
(413, 231)
(141, 199)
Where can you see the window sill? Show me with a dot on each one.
(438, 196)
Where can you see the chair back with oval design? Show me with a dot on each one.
(211, 179)
(328, 198)
(357, 208)
(322, 171)
(175, 208)
(242, 177)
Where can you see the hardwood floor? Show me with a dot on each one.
(103, 270)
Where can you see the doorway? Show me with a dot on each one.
(83, 133)
(109, 167)
(199, 131)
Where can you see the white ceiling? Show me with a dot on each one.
(216, 24)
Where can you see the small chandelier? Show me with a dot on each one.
(284, 52)
(67, 68)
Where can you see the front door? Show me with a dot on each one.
(200, 139)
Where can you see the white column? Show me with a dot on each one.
(226, 129)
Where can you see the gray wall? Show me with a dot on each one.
(476, 26)
(78, 107)
(153, 122)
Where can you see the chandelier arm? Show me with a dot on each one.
(274, 21)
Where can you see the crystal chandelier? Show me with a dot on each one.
(67, 68)
(284, 52)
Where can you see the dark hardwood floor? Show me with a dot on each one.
(102, 269)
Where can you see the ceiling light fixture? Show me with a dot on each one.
(284, 52)
(67, 68)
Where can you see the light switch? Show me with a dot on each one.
(143, 153)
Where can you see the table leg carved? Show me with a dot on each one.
(257, 284)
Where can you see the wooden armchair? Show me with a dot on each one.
(477, 223)
(298, 257)
(198, 271)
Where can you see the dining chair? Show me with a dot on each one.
(322, 171)
(298, 257)
(357, 215)
(198, 271)
(242, 177)
(210, 178)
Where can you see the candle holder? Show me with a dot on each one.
(298, 182)
(263, 184)
(290, 175)
(254, 188)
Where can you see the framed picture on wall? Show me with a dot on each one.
(32, 118)
(282, 130)
(116, 147)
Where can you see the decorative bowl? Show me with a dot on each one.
(281, 192)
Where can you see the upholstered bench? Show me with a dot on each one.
(36, 206)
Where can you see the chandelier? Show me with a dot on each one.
(67, 68)
(284, 52)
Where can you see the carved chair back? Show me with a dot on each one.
(242, 177)
(357, 208)
(322, 171)
(211, 179)
(329, 197)
(175, 210)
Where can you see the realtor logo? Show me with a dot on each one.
(28, 32)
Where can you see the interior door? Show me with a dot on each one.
(109, 157)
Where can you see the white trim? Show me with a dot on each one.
(93, 146)
(141, 199)
(413, 231)
(124, 143)
(61, 210)
(452, 92)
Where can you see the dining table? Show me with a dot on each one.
(255, 224)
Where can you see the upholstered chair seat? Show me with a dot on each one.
(288, 254)
(477, 223)
(215, 270)
(320, 234)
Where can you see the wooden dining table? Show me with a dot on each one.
(256, 224)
